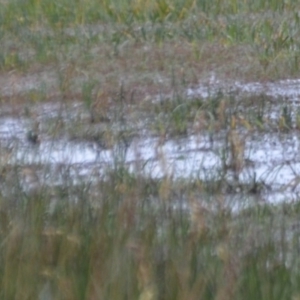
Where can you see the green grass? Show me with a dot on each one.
(116, 243)
(126, 235)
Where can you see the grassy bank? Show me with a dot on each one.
(121, 234)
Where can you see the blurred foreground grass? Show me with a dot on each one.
(126, 238)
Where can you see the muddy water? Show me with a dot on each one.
(273, 159)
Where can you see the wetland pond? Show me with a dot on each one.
(269, 162)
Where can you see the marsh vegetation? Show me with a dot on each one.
(149, 149)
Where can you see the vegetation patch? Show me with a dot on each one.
(148, 150)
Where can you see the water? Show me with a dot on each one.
(274, 158)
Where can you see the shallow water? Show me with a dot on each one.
(274, 158)
(283, 88)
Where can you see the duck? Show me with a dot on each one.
(33, 137)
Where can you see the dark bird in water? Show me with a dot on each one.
(32, 137)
